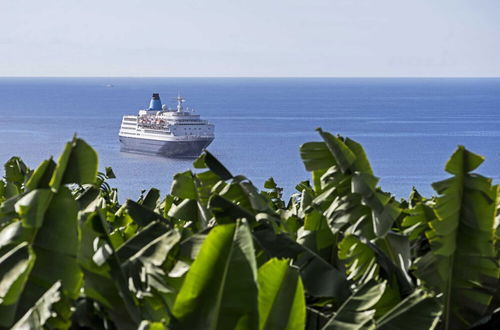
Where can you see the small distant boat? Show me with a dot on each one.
(167, 132)
(110, 85)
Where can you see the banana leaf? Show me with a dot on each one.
(281, 296)
(77, 164)
(42, 310)
(358, 311)
(420, 310)
(42, 175)
(320, 278)
(15, 267)
(220, 290)
(216, 167)
(462, 263)
(55, 244)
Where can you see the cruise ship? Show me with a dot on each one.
(167, 132)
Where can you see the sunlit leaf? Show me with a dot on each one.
(77, 164)
(281, 296)
(220, 289)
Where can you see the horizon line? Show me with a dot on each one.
(267, 77)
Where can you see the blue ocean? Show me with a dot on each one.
(408, 127)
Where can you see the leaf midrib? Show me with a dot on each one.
(451, 260)
(224, 276)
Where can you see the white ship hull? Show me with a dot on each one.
(175, 148)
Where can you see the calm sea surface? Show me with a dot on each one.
(409, 127)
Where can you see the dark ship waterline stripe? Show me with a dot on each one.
(164, 148)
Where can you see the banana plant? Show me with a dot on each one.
(43, 234)
(347, 198)
(217, 252)
(463, 263)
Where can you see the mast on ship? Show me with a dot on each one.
(180, 100)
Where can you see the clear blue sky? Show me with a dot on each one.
(250, 38)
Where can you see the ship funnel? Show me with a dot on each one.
(155, 103)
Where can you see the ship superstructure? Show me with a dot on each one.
(168, 132)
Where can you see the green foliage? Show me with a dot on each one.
(281, 296)
(38, 315)
(218, 253)
(220, 289)
(420, 310)
(358, 310)
(462, 262)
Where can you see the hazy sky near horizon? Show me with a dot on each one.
(250, 38)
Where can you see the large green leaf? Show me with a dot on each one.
(227, 212)
(418, 311)
(141, 214)
(183, 186)
(145, 266)
(361, 164)
(190, 210)
(215, 166)
(119, 276)
(350, 172)
(141, 239)
(32, 207)
(133, 245)
(388, 258)
(220, 289)
(462, 263)
(396, 248)
(354, 168)
(102, 284)
(55, 244)
(342, 153)
(359, 257)
(42, 310)
(15, 266)
(358, 311)
(244, 194)
(320, 278)
(42, 175)
(418, 218)
(16, 171)
(316, 156)
(151, 199)
(206, 184)
(384, 210)
(90, 200)
(77, 164)
(347, 214)
(13, 235)
(281, 296)
(207, 160)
